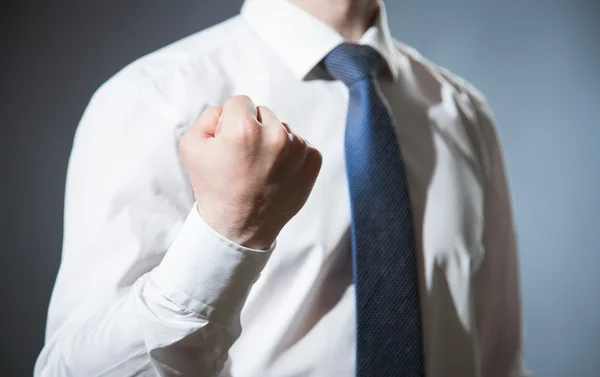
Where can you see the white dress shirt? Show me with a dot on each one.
(146, 288)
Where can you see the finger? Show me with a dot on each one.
(208, 121)
(296, 136)
(312, 163)
(295, 146)
(273, 129)
(299, 149)
(266, 117)
(238, 111)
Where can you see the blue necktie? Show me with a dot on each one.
(384, 252)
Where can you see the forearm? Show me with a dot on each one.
(122, 339)
(180, 318)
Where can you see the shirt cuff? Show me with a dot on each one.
(207, 273)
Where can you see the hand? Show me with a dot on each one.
(250, 172)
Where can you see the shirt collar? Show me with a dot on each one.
(302, 41)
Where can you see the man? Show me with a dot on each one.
(193, 248)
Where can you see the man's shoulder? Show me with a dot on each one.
(442, 73)
(184, 75)
(484, 117)
(186, 58)
(480, 118)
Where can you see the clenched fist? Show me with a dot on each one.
(250, 172)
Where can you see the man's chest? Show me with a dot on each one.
(306, 288)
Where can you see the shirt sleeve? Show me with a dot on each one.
(145, 286)
(501, 324)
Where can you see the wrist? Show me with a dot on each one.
(251, 237)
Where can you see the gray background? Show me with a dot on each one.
(537, 62)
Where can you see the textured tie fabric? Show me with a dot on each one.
(384, 253)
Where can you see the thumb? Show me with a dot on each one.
(208, 122)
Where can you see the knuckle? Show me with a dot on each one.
(315, 159)
(249, 124)
(280, 138)
(300, 148)
(241, 97)
(184, 144)
(211, 112)
(188, 147)
(213, 108)
(238, 99)
(265, 114)
(247, 131)
(263, 108)
(299, 140)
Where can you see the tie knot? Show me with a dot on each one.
(350, 62)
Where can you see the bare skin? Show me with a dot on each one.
(350, 18)
(250, 172)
